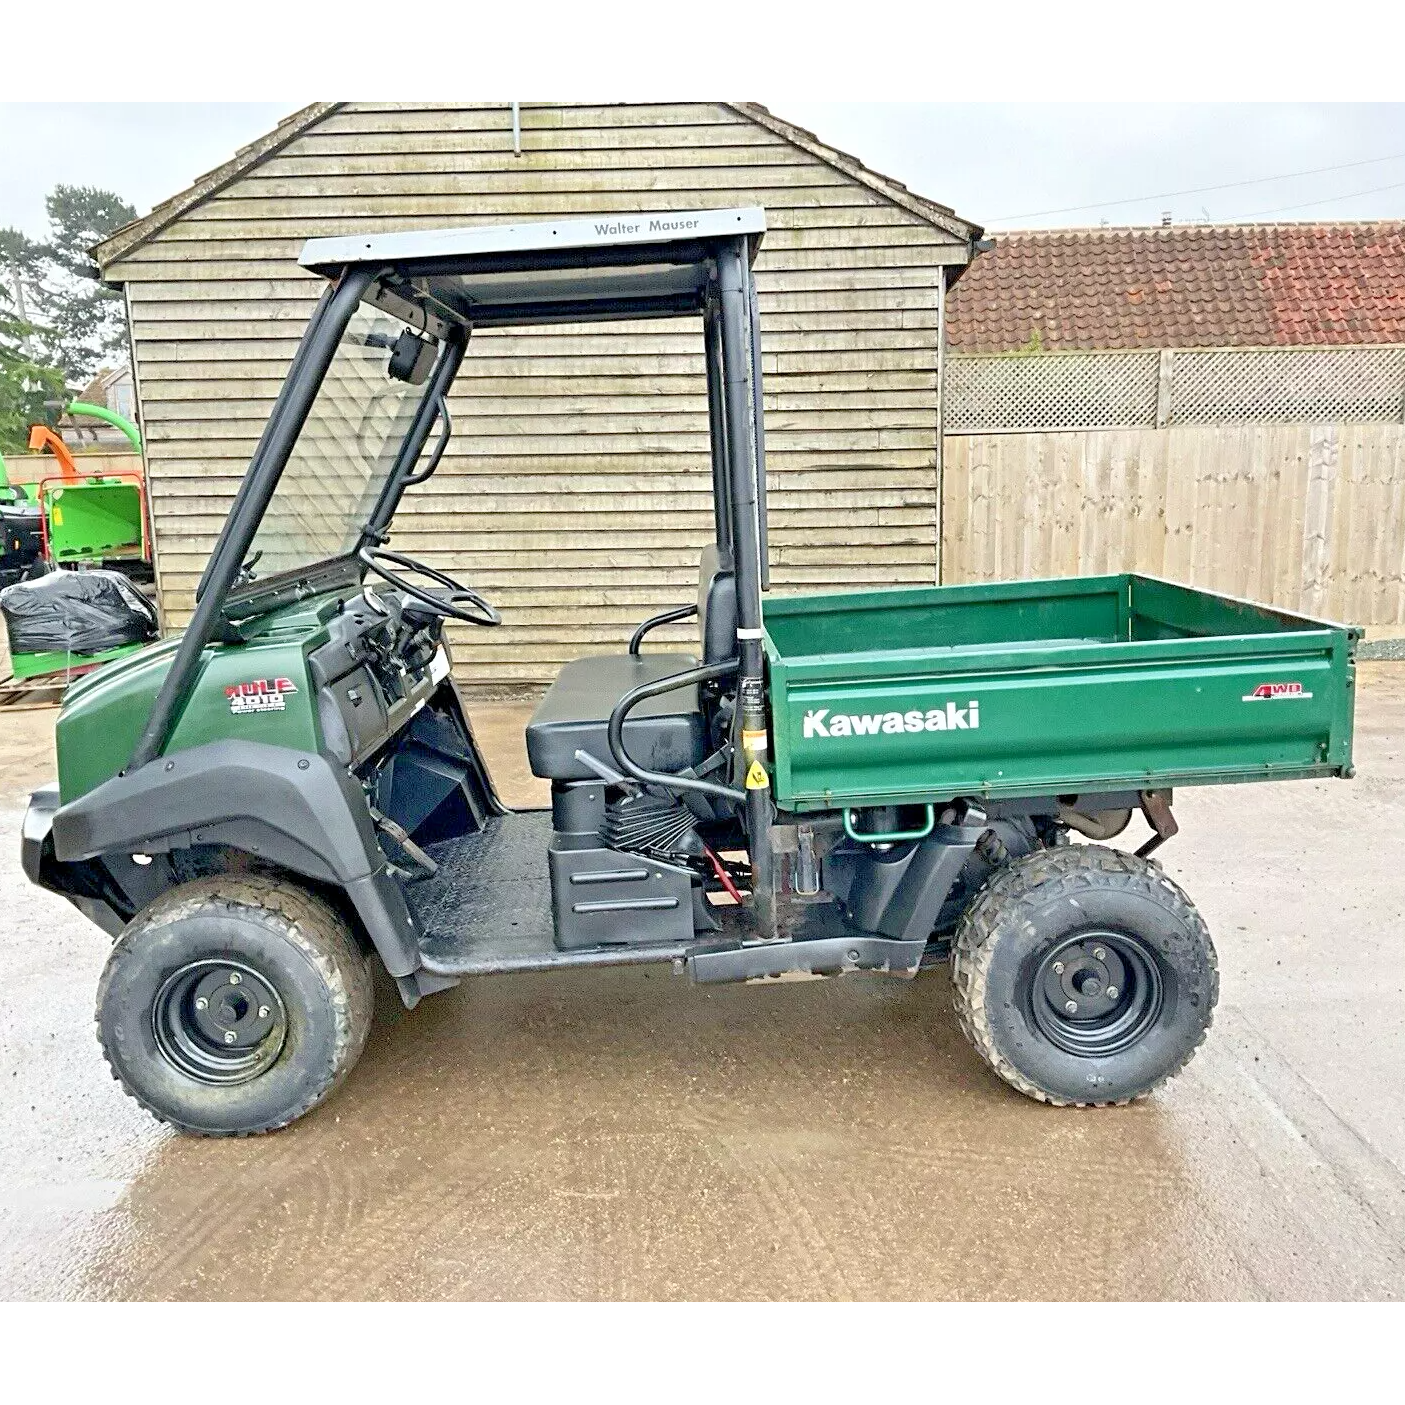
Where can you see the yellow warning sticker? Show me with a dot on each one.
(756, 778)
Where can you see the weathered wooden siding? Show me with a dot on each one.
(576, 491)
(1307, 517)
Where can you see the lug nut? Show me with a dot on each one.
(1112, 992)
(235, 978)
(229, 1036)
(1058, 968)
(1099, 954)
(1071, 1006)
(201, 1003)
(263, 1012)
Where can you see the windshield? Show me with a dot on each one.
(343, 456)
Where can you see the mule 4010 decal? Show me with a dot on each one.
(1276, 692)
(820, 722)
(260, 695)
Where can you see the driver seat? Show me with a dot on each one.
(667, 733)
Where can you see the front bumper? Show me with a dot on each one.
(40, 867)
(38, 821)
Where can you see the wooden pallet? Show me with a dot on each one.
(43, 690)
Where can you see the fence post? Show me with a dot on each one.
(1165, 378)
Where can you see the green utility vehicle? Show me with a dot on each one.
(288, 793)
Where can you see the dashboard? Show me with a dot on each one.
(382, 662)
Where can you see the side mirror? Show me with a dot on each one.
(411, 358)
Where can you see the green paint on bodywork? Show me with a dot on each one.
(101, 412)
(1047, 687)
(104, 713)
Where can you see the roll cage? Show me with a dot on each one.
(446, 283)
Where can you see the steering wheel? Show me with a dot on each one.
(448, 602)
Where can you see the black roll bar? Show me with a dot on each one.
(759, 415)
(717, 430)
(748, 543)
(432, 405)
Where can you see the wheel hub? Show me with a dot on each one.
(1097, 993)
(219, 1022)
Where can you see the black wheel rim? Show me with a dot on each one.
(1097, 993)
(219, 1022)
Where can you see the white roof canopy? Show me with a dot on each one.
(601, 231)
(582, 270)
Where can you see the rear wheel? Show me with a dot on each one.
(1084, 975)
(234, 1005)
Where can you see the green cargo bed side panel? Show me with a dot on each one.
(1046, 687)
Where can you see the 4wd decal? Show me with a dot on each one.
(820, 722)
(260, 695)
(1276, 692)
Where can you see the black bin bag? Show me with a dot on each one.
(76, 612)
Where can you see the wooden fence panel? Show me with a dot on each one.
(1307, 517)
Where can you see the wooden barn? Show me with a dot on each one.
(576, 490)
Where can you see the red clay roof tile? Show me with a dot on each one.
(1184, 286)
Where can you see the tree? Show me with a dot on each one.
(85, 324)
(24, 383)
(58, 325)
(22, 283)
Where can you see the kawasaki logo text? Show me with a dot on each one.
(820, 723)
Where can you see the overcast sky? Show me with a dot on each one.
(998, 164)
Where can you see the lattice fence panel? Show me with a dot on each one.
(1328, 385)
(1050, 392)
(1115, 390)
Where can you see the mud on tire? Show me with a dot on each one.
(234, 1005)
(1084, 976)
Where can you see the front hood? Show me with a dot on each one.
(104, 716)
(153, 658)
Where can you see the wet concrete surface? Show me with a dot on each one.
(619, 1134)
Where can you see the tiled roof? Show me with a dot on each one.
(1184, 286)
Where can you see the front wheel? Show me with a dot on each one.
(233, 1005)
(1084, 976)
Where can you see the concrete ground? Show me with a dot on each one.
(618, 1134)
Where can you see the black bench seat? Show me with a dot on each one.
(667, 733)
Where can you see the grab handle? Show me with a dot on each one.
(615, 731)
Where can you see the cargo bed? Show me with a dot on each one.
(1046, 687)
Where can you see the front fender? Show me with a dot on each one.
(292, 808)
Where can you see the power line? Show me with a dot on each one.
(1331, 199)
(1203, 189)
